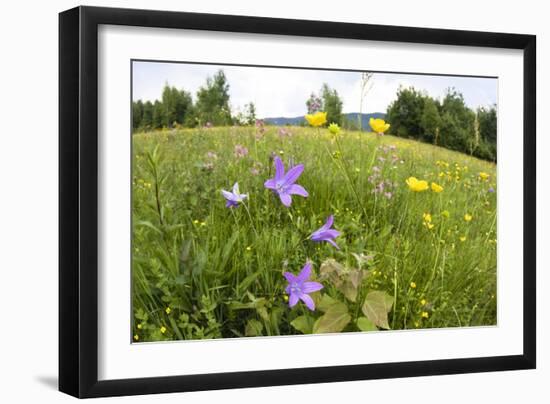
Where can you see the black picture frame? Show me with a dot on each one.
(78, 200)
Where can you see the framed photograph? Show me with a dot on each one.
(251, 201)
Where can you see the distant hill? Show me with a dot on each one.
(299, 120)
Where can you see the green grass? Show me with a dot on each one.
(201, 270)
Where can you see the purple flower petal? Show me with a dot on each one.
(310, 287)
(292, 175)
(228, 195)
(308, 301)
(293, 299)
(331, 233)
(285, 199)
(290, 277)
(333, 243)
(296, 189)
(271, 183)
(329, 222)
(279, 169)
(304, 273)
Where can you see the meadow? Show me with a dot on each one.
(407, 254)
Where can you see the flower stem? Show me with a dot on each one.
(352, 185)
(251, 221)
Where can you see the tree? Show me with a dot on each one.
(137, 114)
(430, 121)
(405, 113)
(158, 114)
(250, 113)
(487, 120)
(213, 101)
(487, 123)
(457, 129)
(332, 104)
(147, 119)
(176, 104)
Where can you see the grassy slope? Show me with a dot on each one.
(208, 263)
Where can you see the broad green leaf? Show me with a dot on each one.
(376, 307)
(304, 324)
(329, 266)
(326, 302)
(253, 328)
(334, 320)
(349, 290)
(364, 324)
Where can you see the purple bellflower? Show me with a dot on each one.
(284, 184)
(325, 233)
(299, 288)
(233, 198)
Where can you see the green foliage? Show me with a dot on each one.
(430, 121)
(201, 270)
(334, 319)
(213, 101)
(332, 104)
(177, 105)
(137, 113)
(405, 113)
(376, 308)
(450, 124)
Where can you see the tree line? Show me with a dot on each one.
(448, 122)
(176, 108)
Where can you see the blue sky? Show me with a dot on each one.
(283, 92)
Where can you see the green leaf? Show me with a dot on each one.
(376, 307)
(253, 328)
(364, 324)
(326, 302)
(334, 320)
(148, 224)
(349, 290)
(304, 324)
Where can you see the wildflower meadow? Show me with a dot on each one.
(264, 230)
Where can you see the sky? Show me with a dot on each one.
(282, 92)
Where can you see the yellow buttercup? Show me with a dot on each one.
(417, 185)
(379, 125)
(317, 119)
(436, 187)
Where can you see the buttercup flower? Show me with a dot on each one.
(317, 119)
(284, 184)
(483, 176)
(235, 197)
(379, 125)
(468, 217)
(416, 185)
(334, 128)
(299, 287)
(325, 233)
(436, 188)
